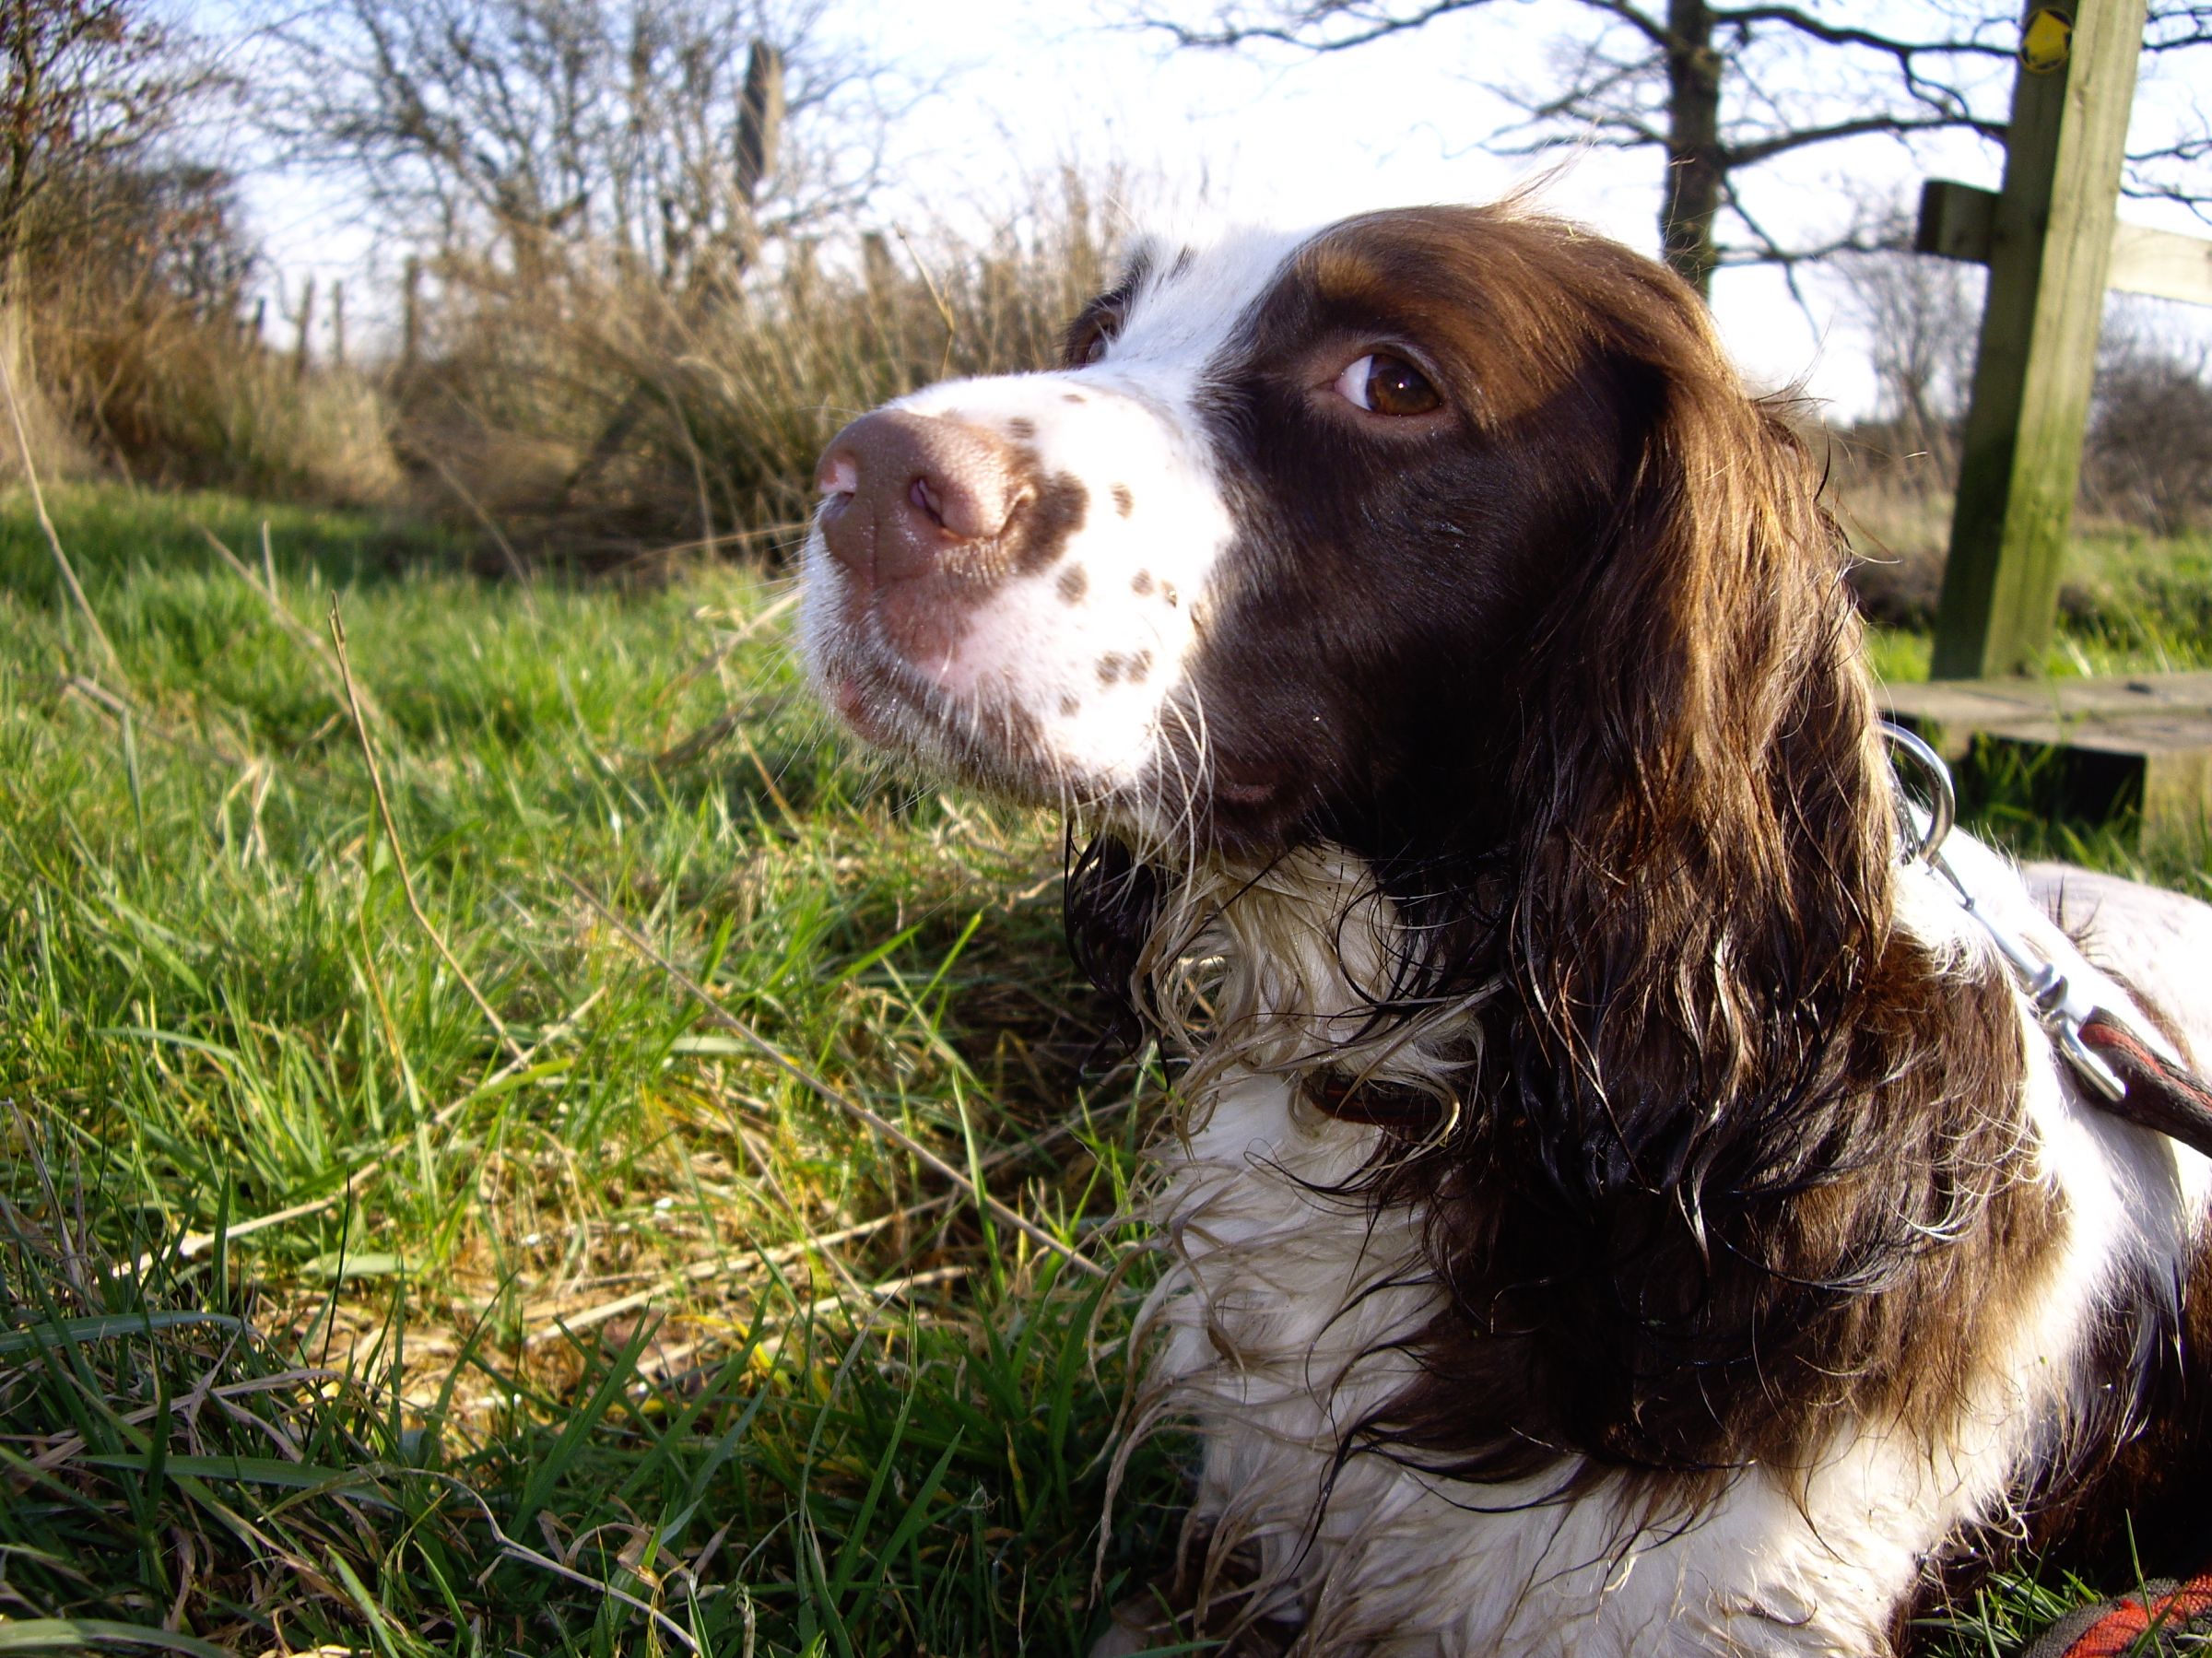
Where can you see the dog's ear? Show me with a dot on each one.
(1703, 830)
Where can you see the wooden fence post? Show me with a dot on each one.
(2050, 238)
(303, 348)
(410, 319)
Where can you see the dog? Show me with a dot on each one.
(1616, 1204)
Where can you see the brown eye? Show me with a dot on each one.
(1385, 384)
(1090, 337)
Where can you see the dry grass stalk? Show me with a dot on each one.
(265, 588)
(53, 539)
(360, 1178)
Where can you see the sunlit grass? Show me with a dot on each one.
(559, 1282)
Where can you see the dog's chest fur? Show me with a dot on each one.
(1289, 1314)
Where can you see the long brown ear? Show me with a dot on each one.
(1749, 1150)
(1704, 838)
(1700, 904)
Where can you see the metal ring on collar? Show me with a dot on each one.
(1942, 804)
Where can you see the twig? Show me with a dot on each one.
(952, 329)
(879, 1125)
(523, 1551)
(118, 709)
(399, 856)
(713, 659)
(514, 563)
(767, 780)
(53, 539)
(695, 1270)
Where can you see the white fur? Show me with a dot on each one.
(1030, 650)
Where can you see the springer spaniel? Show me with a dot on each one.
(1616, 1205)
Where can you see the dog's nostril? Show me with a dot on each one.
(900, 491)
(927, 499)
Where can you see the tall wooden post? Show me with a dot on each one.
(2050, 241)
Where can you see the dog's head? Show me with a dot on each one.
(1323, 537)
(1446, 535)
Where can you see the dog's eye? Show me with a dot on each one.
(1092, 336)
(1387, 385)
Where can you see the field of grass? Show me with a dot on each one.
(395, 1258)
(588, 1330)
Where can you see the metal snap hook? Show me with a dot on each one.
(1942, 801)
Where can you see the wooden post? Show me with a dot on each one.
(2051, 240)
(410, 319)
(759, 118)
(303, 348)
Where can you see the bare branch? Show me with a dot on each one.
(1781, 144)
(1723, 88)
(1369, 23)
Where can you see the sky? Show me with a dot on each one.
(1275, 138)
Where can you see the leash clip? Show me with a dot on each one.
(2058, 1008)
(1923, 843)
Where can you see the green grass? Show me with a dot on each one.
(560, 1297)
(540, 1353)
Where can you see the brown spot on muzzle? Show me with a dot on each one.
(1041, 532)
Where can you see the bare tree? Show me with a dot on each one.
(2149, 454)
(1722, 90)
(613, 125)
(91, 88)
(1920, 318)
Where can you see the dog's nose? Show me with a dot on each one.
(905, 490)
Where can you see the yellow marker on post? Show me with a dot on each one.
(2047, 42)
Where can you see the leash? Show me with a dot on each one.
(2123, 1073)
(2162, 1618)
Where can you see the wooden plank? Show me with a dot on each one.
(1957, 221)
(2163, 262)
(2050, 246)
(1987, 701)
(2148, 740)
